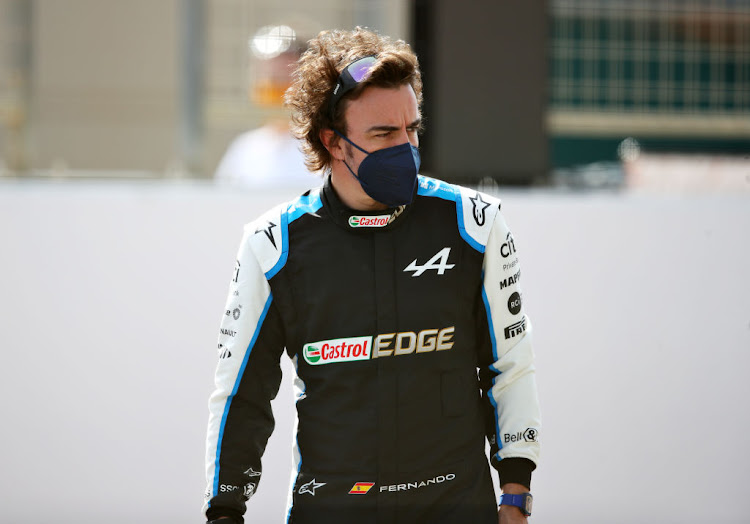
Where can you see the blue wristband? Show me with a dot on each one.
(522, 502)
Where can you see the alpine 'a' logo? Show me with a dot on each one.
(439, 263)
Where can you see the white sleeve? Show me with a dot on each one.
(513, 392)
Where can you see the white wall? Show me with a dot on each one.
(110, 300)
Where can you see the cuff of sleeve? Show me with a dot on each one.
(215, 513)
(515, 470)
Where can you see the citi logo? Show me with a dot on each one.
(509, 247)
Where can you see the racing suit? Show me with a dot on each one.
(411, 347)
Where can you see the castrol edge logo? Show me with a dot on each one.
(338, 350)
(385, 345)
(374, 221)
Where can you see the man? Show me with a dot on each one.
(389, 291)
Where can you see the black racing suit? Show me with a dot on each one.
(411, 348)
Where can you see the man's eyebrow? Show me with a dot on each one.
(416, 123)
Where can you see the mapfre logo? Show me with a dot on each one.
(374, 221)
(337, 350)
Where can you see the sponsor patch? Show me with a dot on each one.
(511, 280)
(360, 488)
(509, 247)
(337, 350)
(514, 303)
(530, 435)
(515, 329)
(369, 221)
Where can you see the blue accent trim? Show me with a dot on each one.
(281, 262)
(237, 381)
(462, 225)
(306, 204)
(491, 328)
(430, 187)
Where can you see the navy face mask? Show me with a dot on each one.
(388, 175)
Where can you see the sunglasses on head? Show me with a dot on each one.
(349, 78)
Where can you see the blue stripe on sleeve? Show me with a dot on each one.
(306, 204)
(462, 225)
(234, 391)
(491, 398)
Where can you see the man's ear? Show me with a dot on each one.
(332, 143)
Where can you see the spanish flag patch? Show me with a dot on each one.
(360, 488)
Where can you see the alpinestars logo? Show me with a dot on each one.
(310, 487)
(439, 263)
(268, 232)
(479, 208)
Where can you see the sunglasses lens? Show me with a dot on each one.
(361, 68)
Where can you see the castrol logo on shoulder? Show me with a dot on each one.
(365, 221)
(337, 350)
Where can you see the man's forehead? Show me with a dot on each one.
(383, 107)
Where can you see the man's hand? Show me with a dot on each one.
(510, 515)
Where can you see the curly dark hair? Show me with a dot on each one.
(316, 75)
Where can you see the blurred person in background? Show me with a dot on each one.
(269, 156)
(397, 297)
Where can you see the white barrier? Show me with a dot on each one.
(110, 300)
